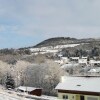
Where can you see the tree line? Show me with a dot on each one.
(94, 52)
(44, 75)
(20, 51)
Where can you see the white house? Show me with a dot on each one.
(94, 71)
(75, 59)
(82, 61)
(79, 88)
(59, 61)
(94, 62)
(65, 59)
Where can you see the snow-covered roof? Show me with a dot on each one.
(25, 88)
(75, 58)
(65, 58)
(59, 61)
(89, 84)
(95, 70)
(92, 70)
(84, 57)
(94, 61)
(82, 60)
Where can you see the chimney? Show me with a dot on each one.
(63, 79)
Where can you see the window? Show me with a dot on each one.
(82, 98)
(65, 97)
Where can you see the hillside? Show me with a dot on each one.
(63, 41)
(89, 44)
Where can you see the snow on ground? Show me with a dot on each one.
(66, 46)
(11, 95)
(49, 97)
(51, 48)
(6, 96)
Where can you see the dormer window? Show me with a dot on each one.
(78, 85)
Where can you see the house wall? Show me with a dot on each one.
(77, 96)
(70, 96)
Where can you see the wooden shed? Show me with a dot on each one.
(30, 90)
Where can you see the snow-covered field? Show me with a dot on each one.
(66, 46)
(51, 49)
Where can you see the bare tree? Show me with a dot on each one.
(18, 72)
(4, 69)
(45, 75)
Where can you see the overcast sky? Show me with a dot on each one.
(28, 22)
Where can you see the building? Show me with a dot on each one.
(94, 71)
(82, 61)
(30, 90)
(75, 59)
(65, 59)
(94, 62)
(79, 88)
(59, 61)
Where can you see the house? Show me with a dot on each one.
(30, 90)
(59, 61)
(75, 59)
(62, 61)
(82, 61)
(65, 59)
(94, 62)
(84, 57)
(79, 88)
(94, 71)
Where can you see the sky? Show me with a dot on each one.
(27, 22)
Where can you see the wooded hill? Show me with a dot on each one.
(63, 41)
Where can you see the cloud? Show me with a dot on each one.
(51, 17)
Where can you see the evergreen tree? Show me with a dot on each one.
(10, 83)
